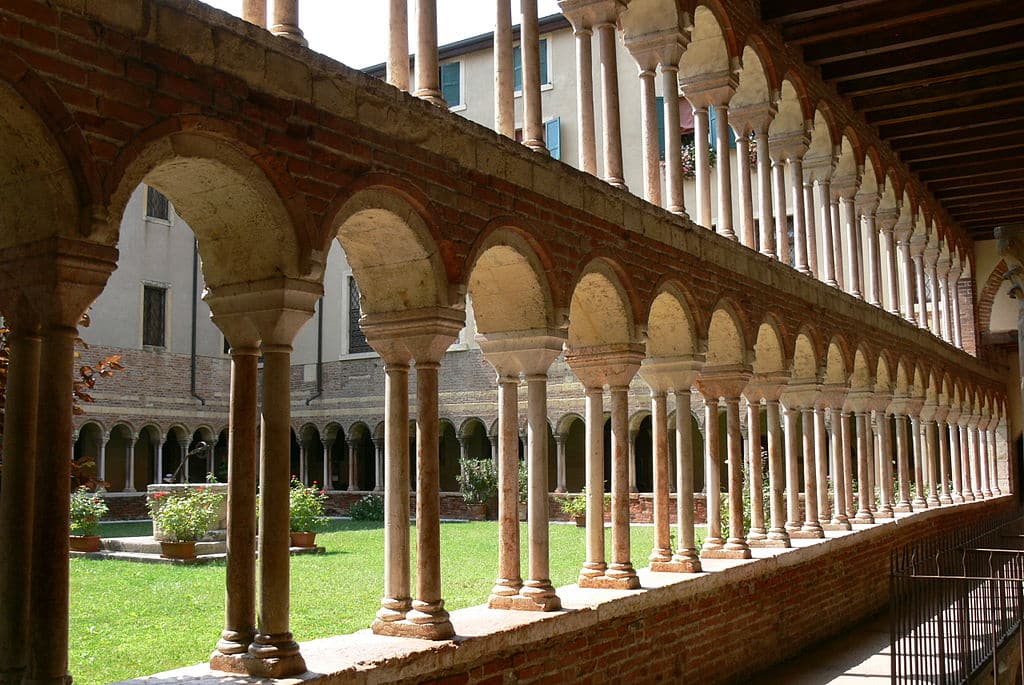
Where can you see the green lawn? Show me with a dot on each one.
(130, 619)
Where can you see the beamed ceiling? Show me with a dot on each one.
(942, 81)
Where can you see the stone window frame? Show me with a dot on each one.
(166, 288)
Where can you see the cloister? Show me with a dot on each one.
(842, 344)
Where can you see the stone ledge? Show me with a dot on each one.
(484, 634)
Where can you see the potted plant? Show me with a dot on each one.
(86, 510)
(183, 519)
(478, 484)
(575, 507)
(306, 513)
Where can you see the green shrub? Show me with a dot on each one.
(368, 508)
(187, 516)
(478, 480)
(87, 508)
(306, 508)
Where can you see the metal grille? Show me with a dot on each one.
(954, 604)
(157, 206)
(154, 310)
(356, 339)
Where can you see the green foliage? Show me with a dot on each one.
(573, 505)
(306, 508)
(524, 482)
(368, 508)
(478, 480)
(187, 516)
(87, 508)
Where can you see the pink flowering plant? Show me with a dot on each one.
(306, 507)
(86, 510)
(185, 517)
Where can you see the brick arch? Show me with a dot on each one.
(988, 295)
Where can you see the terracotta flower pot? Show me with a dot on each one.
(580, 521)
(303, 539)
(178, 550)
(477, 511)
(85, 543)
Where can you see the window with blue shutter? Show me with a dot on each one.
(517, 66)
(660, 105)
(451, 83)
(712, 122)
(553, 137)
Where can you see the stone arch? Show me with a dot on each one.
(794, 113)
(871, 181)
(45, 168)
(709, 52)
(222, 189)
(671, 325)
(823, 137)
(850, 156)
(987, 296)
(473, 434)
(838, 362)
(806, 363)
(388, 238)
(770, 352)
(756, 87)
(601, 310)
(727, 343)
(508, 281)
(863, 374)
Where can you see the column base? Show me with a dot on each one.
(273, 656)
(229, 663)
(933, 502)
(441, 630)
(606, 582)
(808, 532)
(660, 555)
(755, 534)
(958, 499)
(777, 540)
(685, 561)
(986, 494)
(863, 517)
(919, 503)
(711, 545)
(525, 602)
(884, 512)
(591, 569)
(903, 508)
(726, 553)
(837, 524)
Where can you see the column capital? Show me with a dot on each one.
(587, 14)
(942, 266)
(601, 365)
(414, 334)
(941, 412)
(766, 386)
(832, 396)
(728, 380)
(845, 187)
(529, 352)
(801, 394)
(918, 243)
(886, 218)
(663, 374)
(928, 409)
(57, 277)
(866, 202)
(953, 415)
(790, 145)
(710, 90)
(819, 167)
(752, 118)
(274, 309)
(881, 402)
(664, 47)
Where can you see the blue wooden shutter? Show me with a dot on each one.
(517, 68)
(545, 76)
(451, 77)
(660, 104)
(553, 136)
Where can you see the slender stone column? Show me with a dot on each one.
(286, 22)
(328, 445)
(504, 76)
(765, 215)
(840, 519)
(919, 501)
(560, 462)
(931, 449)
(702, 172)
(931, 256)
(942, 431)
(582, 27)
(397, 598)
(273, 652)
(953, 437)
(849, 218)
(17, 499)
(621, 568)
(872, 275)
(183, 458)
(713, 543)
(789, 418)
(810, 222)
(379, 447)
(941, 274)
(837, 239)
(917, 254)
(821, 465)
(159, 452)
(353, 465)
(240, 595)
(801, 244)
(872, 471)
(778, 535)
(757, 533)
(594, 567)
(846, 424)
(966, 471)
(723, 169)
(685, 559)
(509, 581)
(255, 12)
(736, 544)
(975, 452)
(673, 142)
(812, 525)
(649, 137)
(397, 66)
(428, 86)
(662, 550)
(129, 464)
(746, 198)
(954, 304)
(993, 456)
(613, 173)
(101, 456)
(529, 51)
(886, 219)
(902, 464)
(632, 461)
(303, 463)
(863, 466)
(906, 272)
(828, 233)
(781, 221)
(884, 440)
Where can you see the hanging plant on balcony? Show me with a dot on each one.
(689, 154)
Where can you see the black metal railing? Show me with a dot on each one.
(955, 602)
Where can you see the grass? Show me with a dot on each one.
(130, 619)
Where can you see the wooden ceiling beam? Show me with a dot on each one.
(790, 11)
(963, 151)
(953, 123)
(994, 181)
(981, 102)
(939, 142)
(939, 92)
(953, 198)
(929, 77)
(978, 169)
